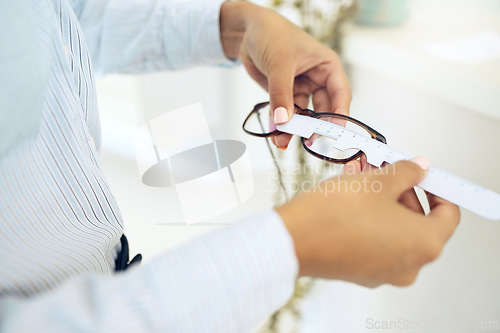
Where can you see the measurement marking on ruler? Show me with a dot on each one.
(485, 202)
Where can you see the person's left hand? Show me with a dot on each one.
(284, 60)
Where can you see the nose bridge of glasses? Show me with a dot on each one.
(309, 130)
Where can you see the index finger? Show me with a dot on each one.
(331, 77)
(339, 90)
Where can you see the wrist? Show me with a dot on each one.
(298, 216)
(233, 21)
(290, 221)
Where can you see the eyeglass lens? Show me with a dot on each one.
(326, 146)
(261, 122)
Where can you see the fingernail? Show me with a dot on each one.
(423, 162)
(280, 115)
(310, 142)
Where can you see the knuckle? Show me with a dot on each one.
(409, 170)
(430, 250)
(455, 215)
(349, 95)
(422, 249)
(433, 252)
(280, 95)
(405, 279)
(450, 217)
(414, 168)
(458, 215)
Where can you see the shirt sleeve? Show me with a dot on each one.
(142, 36)
(23, 76)
(227, 281)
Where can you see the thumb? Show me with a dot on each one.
(280, 79)
(403, 175)
(351, 168)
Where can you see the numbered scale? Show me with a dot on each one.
(445, 185)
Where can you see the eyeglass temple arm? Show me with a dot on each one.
(280, 175)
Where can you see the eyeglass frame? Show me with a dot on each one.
(308, 112)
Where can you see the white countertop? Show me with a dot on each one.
(399, 53)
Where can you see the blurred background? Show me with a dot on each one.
(424, 73)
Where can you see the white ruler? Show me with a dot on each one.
(447, 186)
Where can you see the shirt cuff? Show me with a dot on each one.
(195, 37)
(231, 280)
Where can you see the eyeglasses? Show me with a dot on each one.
(323, 147)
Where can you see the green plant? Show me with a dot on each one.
(321, 19)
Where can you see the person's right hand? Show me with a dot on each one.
(365, 228)
(286, 61)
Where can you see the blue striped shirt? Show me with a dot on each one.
(59, 223)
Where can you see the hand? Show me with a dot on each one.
(285, 61)
(408, 198)
(364, 227)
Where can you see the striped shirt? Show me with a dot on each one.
(59, 223)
